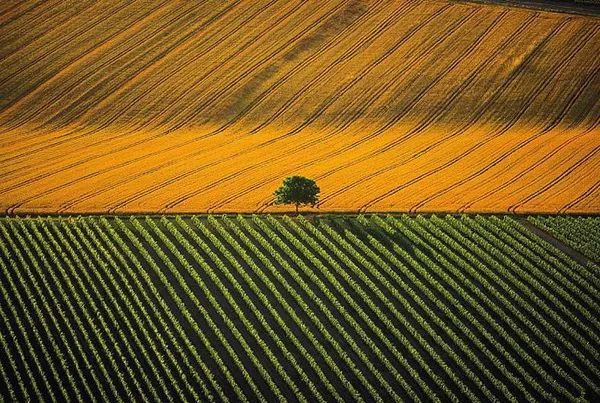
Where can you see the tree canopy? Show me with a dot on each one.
(297, 190)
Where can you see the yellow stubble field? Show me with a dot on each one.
(149, 106)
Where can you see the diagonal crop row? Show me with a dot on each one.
(54, 302)
(426, 290)
(182, 307)
(519, 275)
(252, 247)
(255, 310)
(67, 295)
(461, 233)
(265, 242)
(139, 271)
(87, 303)
(420, 236)
(239, 337)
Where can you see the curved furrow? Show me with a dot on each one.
(55, 74)
(546, 157)
(566, 156)
(469, 50)
(300, 148)
(448, 164)
(456, 93)
(323, 106)
(111, 151)
(122, 48)
(297, 68)
(577, 41)
(195, 192)
(333, 153)
(364, 42)
(29, 9)
(196, 55)
(14, 160)
(198, 169)
(428, 120)
(83, 177)
(498, 92)
(245, 69)
(68, 136)
(280, 98)
(464, 153)
(105, 90)
(525, 171)
(298, 128)
(58, 43)
(19, 138)
(343, 122)
(594, 125)
(137, 159)
(554, 181)
(532, 94)
(66, 139)
(152, 188)
(189, 87)
(305, 146)
(54, 18)
(372, 35)
(592, 190)
(24, 136)
(470, 176)
(241, 48)
(414, 131)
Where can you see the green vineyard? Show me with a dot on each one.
(310, 309)
(582, 234)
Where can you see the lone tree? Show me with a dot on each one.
(297, 190)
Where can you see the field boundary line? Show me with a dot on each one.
(554, 241)
(587, 10)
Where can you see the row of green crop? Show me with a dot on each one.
(442, 247)
(582, 234)
(263, 308)
(428, 269)
(60, 245)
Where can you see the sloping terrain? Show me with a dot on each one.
(265, 308)
(152, 106)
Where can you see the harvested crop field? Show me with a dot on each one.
(168, 106)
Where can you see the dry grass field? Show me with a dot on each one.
(181, 106)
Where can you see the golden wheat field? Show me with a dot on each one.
(394, 105)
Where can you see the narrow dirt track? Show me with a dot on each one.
(551, 239)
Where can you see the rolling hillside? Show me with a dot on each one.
(173, 106)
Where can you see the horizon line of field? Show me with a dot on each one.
(322, 214)
(587, 9)
(533, 219)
